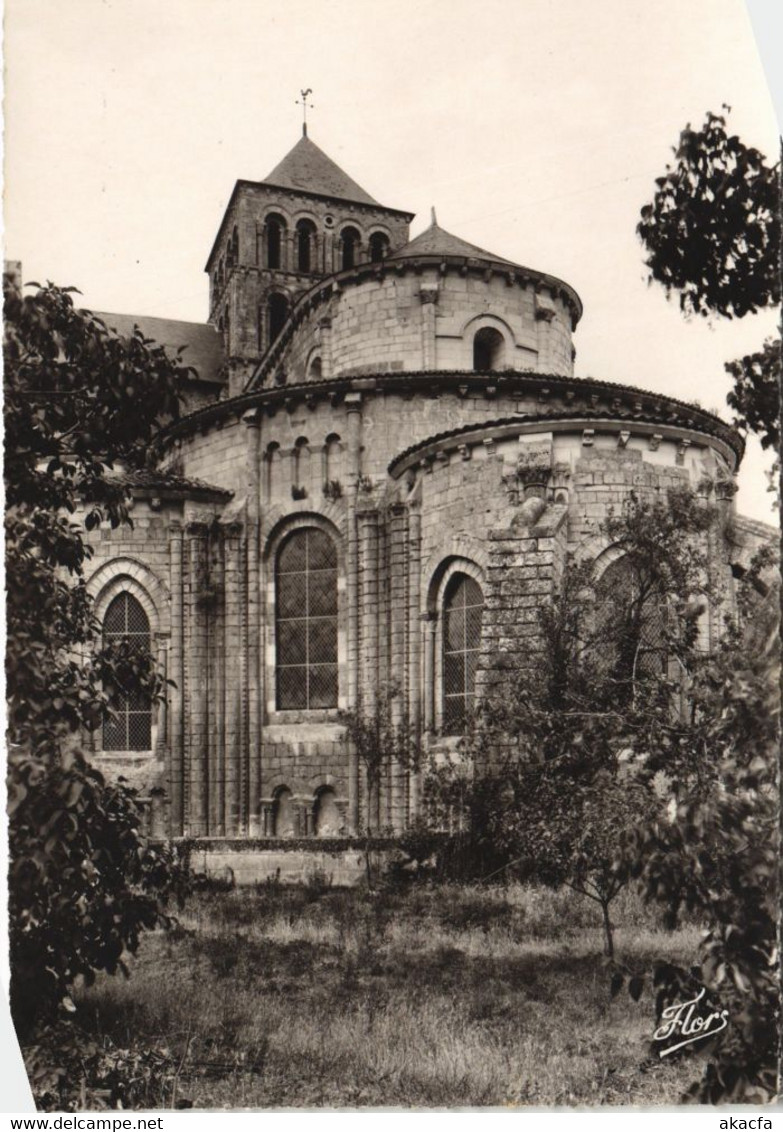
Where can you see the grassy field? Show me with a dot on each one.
(429, 997)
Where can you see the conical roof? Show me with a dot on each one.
(437, 241)
(308, 169)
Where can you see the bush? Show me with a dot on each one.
(69, 1071)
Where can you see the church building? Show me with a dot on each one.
(384, 458)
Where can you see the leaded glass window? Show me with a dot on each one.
(463, 606)
(306, 621)
(131, 727)
(631, 622)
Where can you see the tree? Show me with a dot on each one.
(567, 752)
(83, 883)
(716, 852)
(381, 736)
(712, 234)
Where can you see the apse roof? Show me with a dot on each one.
(437, 241)
(308, 169)
(170, 484)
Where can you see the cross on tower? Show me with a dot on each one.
(303, 103)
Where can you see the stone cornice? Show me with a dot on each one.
(481, 433)
(586, 400)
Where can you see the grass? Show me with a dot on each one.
(432, 997)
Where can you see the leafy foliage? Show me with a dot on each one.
(565, 754)
(381, 736)
(755, 397)
(716, 852)
(83, 883)
(72, 1071)
(712, 233)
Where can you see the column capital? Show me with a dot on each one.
(197, 528)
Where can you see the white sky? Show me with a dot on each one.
(536, 127)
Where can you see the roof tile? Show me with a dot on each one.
(308, 169)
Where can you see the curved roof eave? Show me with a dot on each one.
(679, 414)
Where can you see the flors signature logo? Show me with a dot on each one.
(684, 1023)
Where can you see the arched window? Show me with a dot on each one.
(333, 462)
(301, 472)
(272, 469)
(275, 227)
(283, 824)
(328, 820)
(306, 621)
(349, 248)
(305, 246)
(315, 369)
(463, 605)
(631, 618)
(232, 252)
(131, 729)
(488, 349)
(379, 247)
(278, 313)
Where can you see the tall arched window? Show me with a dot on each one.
(232, 251)
(272, 469)
(488, 349)
(305, 246)
(306, 621)
(131, 729)
(275, 227)
(333, 459)
(463, 605)
(278, 313)
(349, 248)
(379, 247)
(631, 616)
(302, 470)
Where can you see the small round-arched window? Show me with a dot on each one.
(305, 246)
(283, 823)
(488, 349)
(273, 231)
(131, 727)
(349, 248)
(463, 606)
(379, 247)
(328, 820)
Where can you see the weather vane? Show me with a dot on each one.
(303, 103)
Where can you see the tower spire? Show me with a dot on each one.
(303, 103)
(434, 217)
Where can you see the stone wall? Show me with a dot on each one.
(405, 317)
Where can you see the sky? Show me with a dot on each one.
(535, 127)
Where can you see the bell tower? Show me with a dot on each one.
(305, 221)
